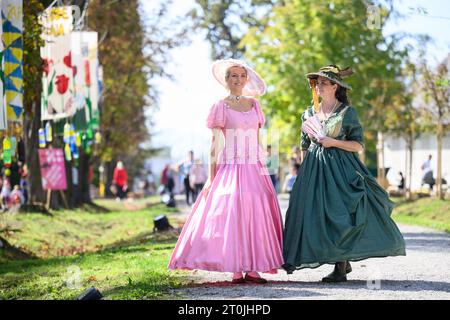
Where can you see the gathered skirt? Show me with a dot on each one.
(337, 211)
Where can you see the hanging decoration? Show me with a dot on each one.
(7, 152)
(98, 137)
(67, 152)
(48, 132)
(86, 86)
(66, 134)
(12, 63)
(78, 140)
(57, 82)
(41, 136)
(3, 121)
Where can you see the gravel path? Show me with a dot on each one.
(424, 273)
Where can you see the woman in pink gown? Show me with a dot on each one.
(235, 224)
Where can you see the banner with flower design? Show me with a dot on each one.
(89, 51)
(57, 82)
(82, 116)
(12, 64)
(3, 123)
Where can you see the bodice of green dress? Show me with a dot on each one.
(343, 124)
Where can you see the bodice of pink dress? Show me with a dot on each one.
(240, 130)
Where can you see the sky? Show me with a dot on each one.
(184, 102)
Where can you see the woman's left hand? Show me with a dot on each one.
(327, 142)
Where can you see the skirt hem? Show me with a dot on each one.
(289, 268)
(272, 270)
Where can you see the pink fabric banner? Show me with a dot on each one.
(53, 171)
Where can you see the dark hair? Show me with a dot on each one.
(341, 94)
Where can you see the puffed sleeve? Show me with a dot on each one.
(305, 140)
(261, 118)
(216, 116)
(352, 126)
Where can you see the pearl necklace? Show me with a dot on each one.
(233, 97)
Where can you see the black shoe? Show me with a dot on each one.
(348, 267)
(338, 274)
(288, 268)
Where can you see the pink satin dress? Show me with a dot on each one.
(238, 227)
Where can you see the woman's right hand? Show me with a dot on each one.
(207, 188)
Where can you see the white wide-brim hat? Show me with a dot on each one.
(255, 85)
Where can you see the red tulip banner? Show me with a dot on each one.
(57, 79)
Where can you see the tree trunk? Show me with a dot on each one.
(381, 176)
(383, 169)
(83, 178)
(410, 149)
(31, 125)
(109, 170)
(407, 185)
(378, 158)
(440, 130)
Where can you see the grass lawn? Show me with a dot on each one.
(427, 212)
(59, 256)
(114, 251)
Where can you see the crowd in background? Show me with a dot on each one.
(187, 177)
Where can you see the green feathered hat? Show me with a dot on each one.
(333, 73)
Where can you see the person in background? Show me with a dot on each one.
(167, 179)
(197, 177)
(272, 166)
(16, 199)
(5, 194)
(120, 180)
(184, 168)
(24, 181)
(427, 177)
(290, 178)
(164, 180)
(150, 183)
(295, 156)
(401, 182)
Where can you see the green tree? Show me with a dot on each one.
(303, 35)
(227, 21)
(404, 119)
(133, 51)
(436, 104)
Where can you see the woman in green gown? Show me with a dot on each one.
(337, 210)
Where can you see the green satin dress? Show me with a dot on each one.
(337, 210)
